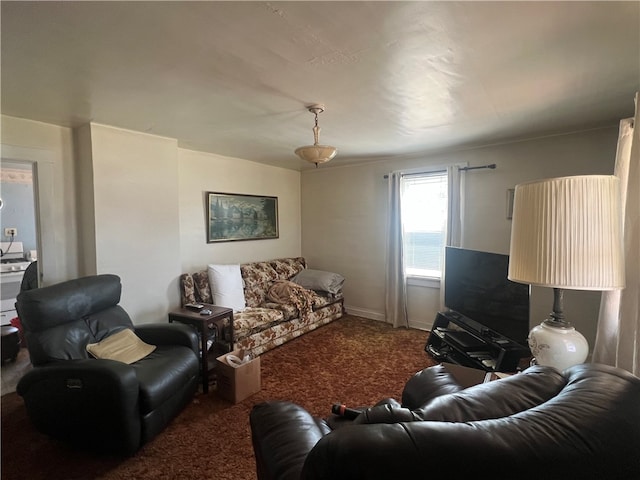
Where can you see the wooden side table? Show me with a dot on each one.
(207, 326)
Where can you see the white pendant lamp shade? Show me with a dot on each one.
(567, 233)
(316, 153)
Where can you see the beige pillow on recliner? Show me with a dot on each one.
(123, 346)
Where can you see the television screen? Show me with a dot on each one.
(476, 285)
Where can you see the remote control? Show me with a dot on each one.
(193, 306)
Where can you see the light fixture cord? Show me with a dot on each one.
(316, 132)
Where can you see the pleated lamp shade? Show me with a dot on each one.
(567, 233)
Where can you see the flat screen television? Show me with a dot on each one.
(476, 285)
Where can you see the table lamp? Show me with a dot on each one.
(566, 234)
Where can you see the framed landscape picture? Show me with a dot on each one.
(232, 216)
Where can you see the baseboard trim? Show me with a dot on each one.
(420, 325)
(373, 315)
(363, 312)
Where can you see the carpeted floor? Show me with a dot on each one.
(353, 360)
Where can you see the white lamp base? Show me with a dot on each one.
(559, 347)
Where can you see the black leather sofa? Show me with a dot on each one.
(581, 424)
(100, 404)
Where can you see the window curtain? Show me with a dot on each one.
(455, 202)
(396, 285)
(618, 335)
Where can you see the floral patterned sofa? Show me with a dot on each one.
(265, 324)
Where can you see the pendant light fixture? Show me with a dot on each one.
(316, 153)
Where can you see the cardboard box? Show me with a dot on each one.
(467, 376)
(237, 383)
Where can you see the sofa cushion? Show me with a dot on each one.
(496, 399)
(202, 289)
(253, 320)
(67, 301)
(163, 373)
(226, 286)
(257, 277)
(288, 310)
(187, 289)
(50, 344)
(587, 431)
(288, 267)
(428, 384)
(285, 331)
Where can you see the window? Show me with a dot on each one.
(424, 221)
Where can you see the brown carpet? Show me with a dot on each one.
(352, 360)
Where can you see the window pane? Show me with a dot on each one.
(424, 219)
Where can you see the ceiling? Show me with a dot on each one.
(397, 78)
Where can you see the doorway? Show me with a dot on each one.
(19, 239)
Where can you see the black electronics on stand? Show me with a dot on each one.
(458, 339)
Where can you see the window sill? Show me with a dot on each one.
(426, 282)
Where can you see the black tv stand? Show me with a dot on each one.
(458, 339)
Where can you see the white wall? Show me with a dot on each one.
(344, 217)
(123, 202)
(86, 198)
(136, 217)
(203, 172)
(50, 148)
(150, 211)
(150, 216)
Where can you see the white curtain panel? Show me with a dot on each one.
(396, 286)
(455, 198)
(618, 336)
(455, 209)
(396, 282)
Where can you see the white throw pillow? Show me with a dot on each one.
(226, 286)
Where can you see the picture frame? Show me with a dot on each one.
(234, 216)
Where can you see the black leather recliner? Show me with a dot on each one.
(101, 404)
(582, 424)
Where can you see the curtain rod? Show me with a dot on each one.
(491, 166)
(416, 174)
(463, 169)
